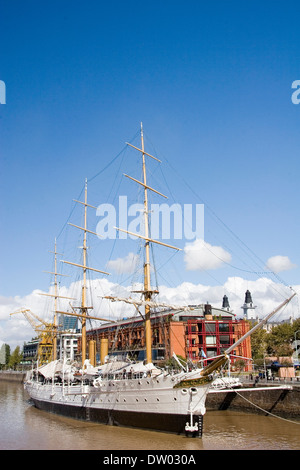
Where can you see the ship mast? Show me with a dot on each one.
(55, 304)
(147, 292)
(147, 279)
(83, 299)
(56, 296)
(84, 308)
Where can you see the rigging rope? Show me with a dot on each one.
(259, 263)
(258, 407)
(265, 411)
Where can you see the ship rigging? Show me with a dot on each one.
(121, 392)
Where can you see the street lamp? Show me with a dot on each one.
(296, 349)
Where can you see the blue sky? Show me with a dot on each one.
(211, 82)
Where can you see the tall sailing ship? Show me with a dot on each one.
(123, 392)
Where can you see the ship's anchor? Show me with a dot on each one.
(194, 428)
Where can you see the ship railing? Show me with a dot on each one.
(126, 375)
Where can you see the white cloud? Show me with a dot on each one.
(280, 263)
(200, 255)
(124, 265)
(266, 295)
(16, 329)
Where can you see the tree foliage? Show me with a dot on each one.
(279, 342)
(259, 343)
(15, 358)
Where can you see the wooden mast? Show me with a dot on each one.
(55, 305)
(84, 308)
(147, 292)
(147, 280)
(56, 296)
(83, 299)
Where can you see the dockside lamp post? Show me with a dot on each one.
(296, 349)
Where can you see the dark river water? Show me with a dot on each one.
(23, 427)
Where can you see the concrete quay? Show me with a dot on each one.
(12, 375)
(280, 400)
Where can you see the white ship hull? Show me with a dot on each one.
(152, 403)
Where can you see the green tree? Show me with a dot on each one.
(15, 358)
(279, 340)
(259, 343)
(4, 356)
(7, 347)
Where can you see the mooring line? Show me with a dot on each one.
(265, 411)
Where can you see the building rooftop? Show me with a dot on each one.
(196, 311)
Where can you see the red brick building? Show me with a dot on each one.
(200, 333)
